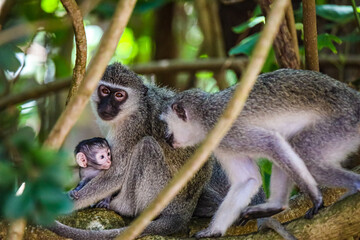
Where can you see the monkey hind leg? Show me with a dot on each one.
(270, 144)
(322, 147)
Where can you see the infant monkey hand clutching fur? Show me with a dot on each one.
(305, 122)
(93, 156)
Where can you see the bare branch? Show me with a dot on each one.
(290, 20)
(81, 47)
(17, 229)
(310, 35)
(283, 43)
(174, 66)
(95, 71)
(213, 139)
(34, 93)
(356, 15)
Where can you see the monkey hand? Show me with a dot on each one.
(105, 203)
(73, 194)
(208, 232)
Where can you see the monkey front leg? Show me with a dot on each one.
(245, 183)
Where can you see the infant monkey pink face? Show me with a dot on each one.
(103, 158)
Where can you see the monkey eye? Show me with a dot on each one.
(104, 90)
(179, 110)
(102, 156)
(120, 95)
(108, 153)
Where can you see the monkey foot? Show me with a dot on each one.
(73, 194)
(312, 211)
(206, 233)
(254, 212)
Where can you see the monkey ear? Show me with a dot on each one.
(180, 111)
(81, 159)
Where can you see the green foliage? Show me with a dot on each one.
(246, 46)
(265, 170)
(326, 41)
(252, 22)
(336, 13)
(44, 171)
(49, 6)
(8, 59)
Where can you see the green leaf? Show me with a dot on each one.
(246, 45)
(335, 13)
(49, 6)
(326, 41)
(252, 22)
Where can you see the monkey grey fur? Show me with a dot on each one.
(142, 162)
(305, 122)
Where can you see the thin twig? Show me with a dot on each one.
(357, 18)
(81, 47)
(310, 35)
(34, 93)
(96, 69)
(290, 20)
(213, 139)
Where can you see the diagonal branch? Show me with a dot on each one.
(95, 70)
(81, 47)
(233, 109)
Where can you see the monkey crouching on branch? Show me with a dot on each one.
(305, 122)
(93, 156)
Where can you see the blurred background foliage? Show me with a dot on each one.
(37, 48)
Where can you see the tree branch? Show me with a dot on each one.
(34, 93)
(283, 43)
(310, 35)
(174, 66)
(81, 47)
(95, 71)
(224, 124)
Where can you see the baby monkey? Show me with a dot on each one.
(305, 122)
(92, 155)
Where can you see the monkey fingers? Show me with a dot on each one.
(206, 233)
(314, 210)
(254, 212)
(103, 203)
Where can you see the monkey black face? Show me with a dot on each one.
(110, 101)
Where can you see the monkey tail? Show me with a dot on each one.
(82, 234)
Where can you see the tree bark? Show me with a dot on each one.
(310, 35)
(283, 44)
(81, 46)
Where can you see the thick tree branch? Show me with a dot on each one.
(310, 35)
(81, 47)
(213, 139)
(96, 69)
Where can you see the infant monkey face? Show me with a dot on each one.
(103, 158)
